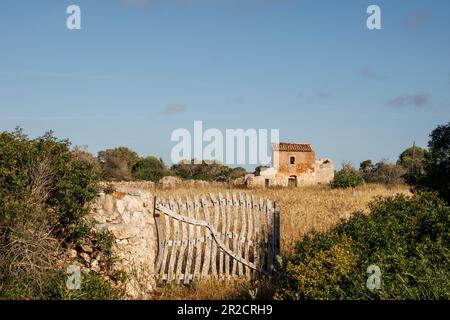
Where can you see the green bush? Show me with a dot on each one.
(413, 158)
(149, 169)
(117, 163)
(347, 177)
(408, 238)
(44, 175)
(382, 172)
(44, 190)
(207, 171)
(52, 286)
(436, 175)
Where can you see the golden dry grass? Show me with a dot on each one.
(303, 210)
(306, 209)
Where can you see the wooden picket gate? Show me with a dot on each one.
(220, 237)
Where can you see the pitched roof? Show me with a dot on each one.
(292, 147)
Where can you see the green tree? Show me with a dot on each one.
(382, 172)
(237, 172)
(208, 171)
(150, 169)
(117, 163)
(413, 158)
(436, 176)
(366, 166)
(347, 177)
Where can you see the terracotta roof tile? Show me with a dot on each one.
(292, 147)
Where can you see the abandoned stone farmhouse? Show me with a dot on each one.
(294, 165)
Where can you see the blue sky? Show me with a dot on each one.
(140, 69)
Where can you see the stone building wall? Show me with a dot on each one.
(304, 162)
(324, 171)
(321, 173)
(128, 214)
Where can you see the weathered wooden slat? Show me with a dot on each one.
(242, 233)
(184, 238)
(175, 242)
(235, 232)
(207, 260)
(190, 256)
(270, 256)
(158, 223)
(228, 235)
(249, 238)
(198, 247)
(166, 242)
(223, 223)
(276, 236)
(256, 218)
(215, 222)
(263, 221)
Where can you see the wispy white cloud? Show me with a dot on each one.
(416, 100)
(174, 108)
(370, 74)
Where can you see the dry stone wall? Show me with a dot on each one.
(128, 215)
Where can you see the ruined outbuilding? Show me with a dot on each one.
(294, 165)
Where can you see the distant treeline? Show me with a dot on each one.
(410, 164)
(123, 164)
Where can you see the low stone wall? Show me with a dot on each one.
(128, 214)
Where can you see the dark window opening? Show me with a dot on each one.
(292, 160)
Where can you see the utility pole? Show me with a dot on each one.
(413, 156)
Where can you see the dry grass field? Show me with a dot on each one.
(302, 210)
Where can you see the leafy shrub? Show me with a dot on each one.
(207, 171)
(407, 238)
(413, 158)
(436, 176)
(382, 172)
(52, 286)
(44, 189)
(149, 169)
(347, 177)
(237, 172)
(317, 276)
(44, 175)
(117, 163)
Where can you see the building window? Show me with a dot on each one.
(292, 159)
